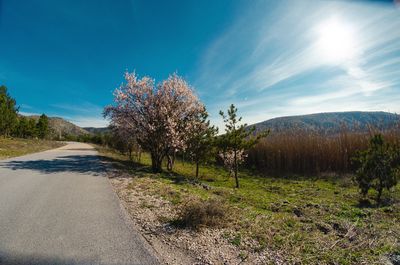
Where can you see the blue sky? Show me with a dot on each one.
(270, 58)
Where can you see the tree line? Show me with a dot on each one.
(14, 125)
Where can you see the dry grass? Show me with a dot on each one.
(17, 147)
(306, 153)
(198, 214)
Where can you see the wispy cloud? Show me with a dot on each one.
(270, 57)
(29, 113)
(84, 107)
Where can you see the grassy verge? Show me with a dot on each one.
(18, 147)
(306, 221)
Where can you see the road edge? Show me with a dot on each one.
(130, 223)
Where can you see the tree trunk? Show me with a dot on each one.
(197, 169)
(236, 170)
(379, 195)
(139, 155)
(169, 163)
(156, 163)
(130, 153)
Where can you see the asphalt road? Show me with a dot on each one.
(57, 207)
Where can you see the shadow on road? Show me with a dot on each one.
(88, 164)
(36, 259)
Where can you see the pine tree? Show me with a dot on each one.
(236, 140)
(42, 126)
(8, 112)
(22, 128)
(378, 167)
(200, 144)
(31, 130)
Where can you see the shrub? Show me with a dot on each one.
(196, 214)
(378, 166)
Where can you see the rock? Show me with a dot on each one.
(394, 258)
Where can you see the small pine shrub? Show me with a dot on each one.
(378, 166)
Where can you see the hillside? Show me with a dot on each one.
(62, 127)
(332, 122)
(96, 130)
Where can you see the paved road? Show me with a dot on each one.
(57, 207)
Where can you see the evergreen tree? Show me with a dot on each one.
(22, 128)
(31, 132)
(42, 126)
(201, 142)
(236, 140)
(8, 112)
(378, 167)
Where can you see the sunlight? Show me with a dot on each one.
(336, 41)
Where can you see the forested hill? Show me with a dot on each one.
(332, 122)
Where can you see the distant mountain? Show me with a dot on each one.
(61, 127)
(332, 122)
(95, 130)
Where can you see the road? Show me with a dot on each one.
(58, 207)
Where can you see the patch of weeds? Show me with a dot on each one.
(175, 197)
(144, 205)
(236, 240)
(243, 255)
(235, 198)
(290, 223)
(323, 227)
(278, 241)
(220, 192)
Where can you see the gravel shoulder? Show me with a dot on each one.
(149, 213)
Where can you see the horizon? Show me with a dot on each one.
(270, 59)
(257, 122)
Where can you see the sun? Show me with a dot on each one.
(336, 42)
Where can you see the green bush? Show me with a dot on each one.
(378, 166)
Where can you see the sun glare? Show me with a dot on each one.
(336, 41)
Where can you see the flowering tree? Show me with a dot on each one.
(232, 159)
(237, 138)
(159, 116)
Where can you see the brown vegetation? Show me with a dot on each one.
(199, 213)
(302, 152)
